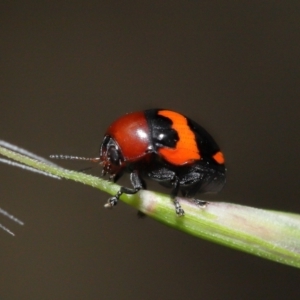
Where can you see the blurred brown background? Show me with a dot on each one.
(68, 69)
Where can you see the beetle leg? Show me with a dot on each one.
(137, 184)
(178, 209)
(112, 201)
(199, 202)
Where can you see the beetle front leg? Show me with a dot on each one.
(137, 184)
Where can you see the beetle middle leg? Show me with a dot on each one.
(174, 193)
(191, 184)
(168, 178)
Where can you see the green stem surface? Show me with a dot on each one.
(268, 234)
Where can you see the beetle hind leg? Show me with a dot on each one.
(200, 203)
(191, 193)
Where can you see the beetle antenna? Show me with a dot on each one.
(72, 157)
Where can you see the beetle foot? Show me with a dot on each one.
(200, 203)
(178, 209)
(111, 202)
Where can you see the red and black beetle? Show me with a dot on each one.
(165, 146)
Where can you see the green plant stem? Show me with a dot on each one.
(268, 234)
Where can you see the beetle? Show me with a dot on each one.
(165, 146)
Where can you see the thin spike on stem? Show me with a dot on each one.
(24, 167)
(6, 230)
(11, 217)
(25, 152)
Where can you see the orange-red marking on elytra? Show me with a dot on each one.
(219, 157)
(186, 150)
